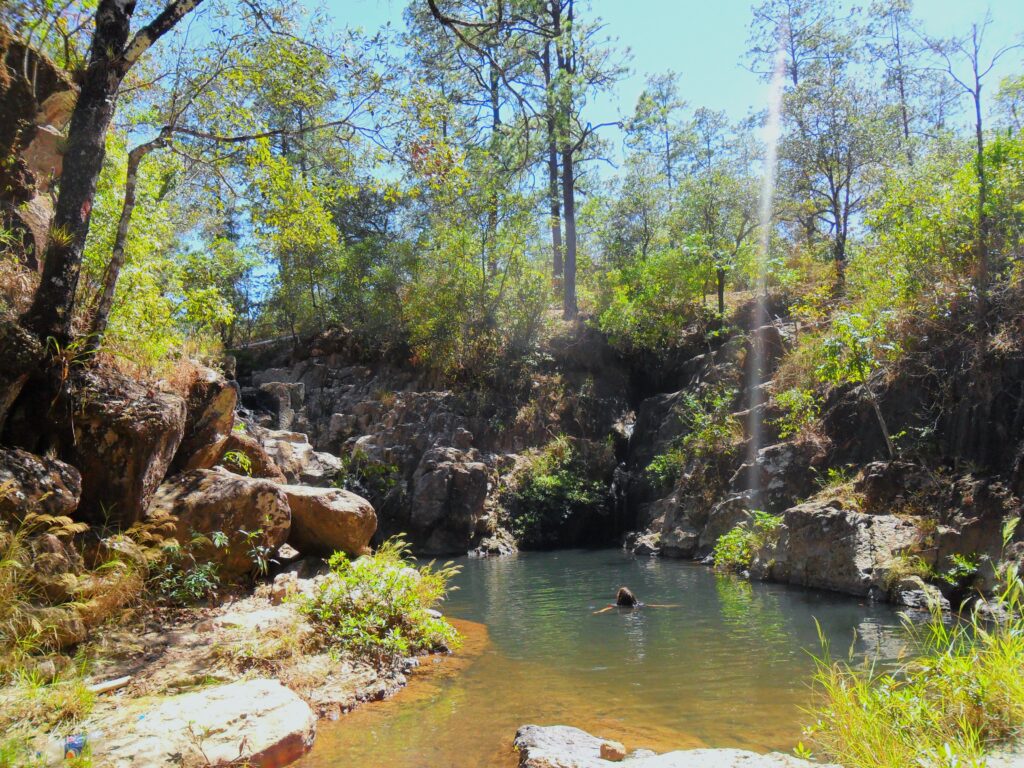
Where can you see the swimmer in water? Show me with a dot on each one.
(625, 598)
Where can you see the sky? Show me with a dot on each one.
(705, 41)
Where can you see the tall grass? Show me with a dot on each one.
(962, 696)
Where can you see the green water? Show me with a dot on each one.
(728, 667)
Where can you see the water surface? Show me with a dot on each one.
(728, 667)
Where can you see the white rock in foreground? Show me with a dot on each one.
(259, 721)
(560, 746)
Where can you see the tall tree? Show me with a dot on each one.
(112, 54)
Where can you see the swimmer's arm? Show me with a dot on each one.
(604, 610)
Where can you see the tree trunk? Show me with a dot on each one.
(720, 272)
(981, 246)
(111, 55)
(569, 308)
(52, 306)
(117, 256)
(553, 192)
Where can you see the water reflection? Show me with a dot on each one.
(728, 667)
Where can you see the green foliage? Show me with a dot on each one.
(378, 606)
(374, 480)
(962, 695)
(237, 461)
(550, 493)
(710, 430)
(962, 570)
(800, 408)
(735, 550)
(181, 577)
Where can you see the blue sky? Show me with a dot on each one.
(706, 40)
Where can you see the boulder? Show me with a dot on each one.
(560, 746)
(298, 461)
(782, 473)
(20, 353)
(257, 722)
(823, 545)
(209, 420)
(725, 516)
(260, 463)
(448, 493)
(208, 501)
(124, 439)
(327, 520)
(913, 592)
(30, 483)
(284, 399)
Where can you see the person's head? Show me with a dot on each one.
(624, 598)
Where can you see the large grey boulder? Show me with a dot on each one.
(208, 501)
(822, 545)
(20, 353)
(125, 437)
(328, 520)
(449, 489)
(300, 463)
(560, 746)
(256, 722)
(210, 417)
(30, 483)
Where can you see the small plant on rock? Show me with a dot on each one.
(379, 607)
(735, 550)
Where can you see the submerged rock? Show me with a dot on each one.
(560, 746)
(256, 722)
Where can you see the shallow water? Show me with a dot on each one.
(727, 667)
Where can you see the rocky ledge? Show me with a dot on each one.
(560, 746)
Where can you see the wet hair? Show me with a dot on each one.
(624, 598)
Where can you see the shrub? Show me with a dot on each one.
(373, 479)
(963, 694)
(799, 411)
(180, 578)
(379, 607)
(710, 430)
(734, 551)
(552, 491)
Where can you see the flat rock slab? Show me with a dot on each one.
(258, 721)
(560, 746)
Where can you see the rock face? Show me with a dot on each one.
(20, 353)
(260, 463)
(31, 483)
(258, 722)
(449, 490)
(560, 746)
(327, 520)
(124, 439)
(296, 458)
(823, 545)
(206, 501)
(210, 417)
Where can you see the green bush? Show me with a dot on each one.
(378, 607)
(550, 494)
(374, 480)
(734, 551)
(179, 577)
(710, 430)
(799, 411)
(963, 695)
